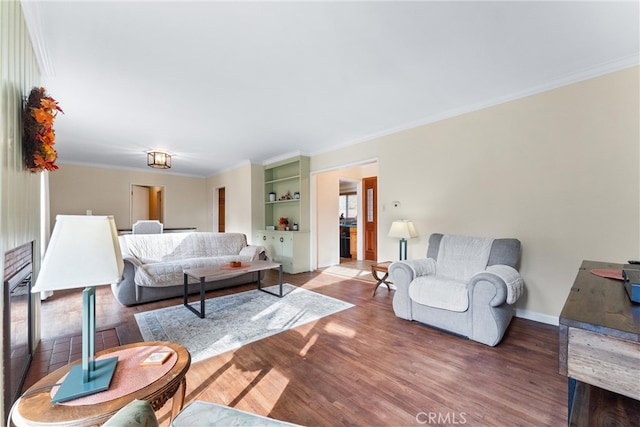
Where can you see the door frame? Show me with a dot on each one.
(162, 200)
(216, 205)
(314, 203)
(359, 227)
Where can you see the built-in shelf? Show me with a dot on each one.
(287, 178)
(283, 201)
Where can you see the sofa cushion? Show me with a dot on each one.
(440, 292)
(172, 272)
(149, 248)
(460, 257)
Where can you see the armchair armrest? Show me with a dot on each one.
(406, 271)
(507, 282)
(401, 274)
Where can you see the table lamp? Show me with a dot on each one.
(83, 252)
(403, 230)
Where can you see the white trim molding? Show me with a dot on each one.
(538, 317)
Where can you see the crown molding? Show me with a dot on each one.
(146, 169)
(285, 156)
(618, 64)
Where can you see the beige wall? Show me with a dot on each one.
(75, 189)
(243, 186)
(558, 170)
(19, 189)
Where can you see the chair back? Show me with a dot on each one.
(147, 227)
(504, 251)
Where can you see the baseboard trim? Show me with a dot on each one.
(537, 317)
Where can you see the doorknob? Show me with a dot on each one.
(281, 239)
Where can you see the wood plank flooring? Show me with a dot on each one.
(360, 367)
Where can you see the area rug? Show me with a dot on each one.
(235, 320)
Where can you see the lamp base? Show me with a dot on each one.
(403, 250)
(74, 386)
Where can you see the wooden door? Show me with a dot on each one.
(221, 218)
(370, 210)
(139, 203)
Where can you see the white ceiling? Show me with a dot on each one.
(219, 84)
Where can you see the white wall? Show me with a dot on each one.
(557, 170)
(19, 189)
(327, 191)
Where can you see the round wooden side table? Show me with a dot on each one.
(34, 407)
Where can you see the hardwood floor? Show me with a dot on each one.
(361, 366)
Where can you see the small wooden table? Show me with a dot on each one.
(34, 408)
(220, 273)
(382, 267)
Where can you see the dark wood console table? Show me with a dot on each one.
(599, 338)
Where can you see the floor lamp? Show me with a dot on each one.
(83, 252)
(403, 230)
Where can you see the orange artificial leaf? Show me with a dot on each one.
(42, 116)
(49, 103)
(38, 160)
(39, 137)
(47, 138)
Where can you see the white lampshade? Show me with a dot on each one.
(83, 251)
(402, 229)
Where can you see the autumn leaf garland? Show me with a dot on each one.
(38, 137)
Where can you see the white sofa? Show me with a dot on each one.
(154, 263)
(466, 285)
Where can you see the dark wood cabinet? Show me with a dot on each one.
(599, 339)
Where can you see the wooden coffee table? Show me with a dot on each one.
(226, 272)
(34, 407)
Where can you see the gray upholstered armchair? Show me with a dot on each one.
(466, 285)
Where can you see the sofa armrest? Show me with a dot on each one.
(253, 251)
(133, 260)
(401, 274)
(506, 280)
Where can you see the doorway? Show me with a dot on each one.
(221, 210)
(147, 202)
(349, 206)
(326, 230)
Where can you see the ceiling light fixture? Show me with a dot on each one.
(159, 160)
